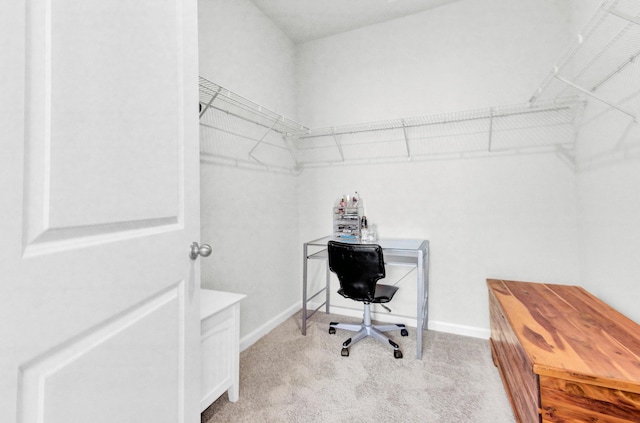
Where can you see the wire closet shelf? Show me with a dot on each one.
(506, 129)
(602, 62)
(238, 132)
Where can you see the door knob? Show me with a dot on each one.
(195, 250)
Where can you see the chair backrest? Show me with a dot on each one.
(358, 267)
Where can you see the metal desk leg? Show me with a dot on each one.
(426, 288)
(425, 264)
(420, 301)
(304, 290)
(328, 281)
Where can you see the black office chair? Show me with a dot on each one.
(359, 267)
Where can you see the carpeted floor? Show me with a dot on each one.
(287, 377)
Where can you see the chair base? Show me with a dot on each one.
(365, 329)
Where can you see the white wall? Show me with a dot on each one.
(508, 216)
(243, 51)
(249, 216)
(518, 217)
(465, 55)
(608, 181)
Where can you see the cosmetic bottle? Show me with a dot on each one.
(364, 229)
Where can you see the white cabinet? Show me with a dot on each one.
(220, 345)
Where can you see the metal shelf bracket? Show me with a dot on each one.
(213, 97)
(590, 94)
(406, 138)
(335, 138)
(275, 122)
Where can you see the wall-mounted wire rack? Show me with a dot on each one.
(518, 128)
(238, 132)
(603, 62)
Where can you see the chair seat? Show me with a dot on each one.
(384, 294)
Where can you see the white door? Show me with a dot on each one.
(99, 203)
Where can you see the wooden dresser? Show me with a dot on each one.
(564, 355)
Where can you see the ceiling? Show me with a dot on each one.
(305, 20)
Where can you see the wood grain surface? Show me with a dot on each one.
(583, 356)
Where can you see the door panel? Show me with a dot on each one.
(102, 135)
(99, 308)
(98, 362)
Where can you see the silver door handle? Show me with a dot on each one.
(195, 250)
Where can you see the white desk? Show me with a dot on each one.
(397, 252)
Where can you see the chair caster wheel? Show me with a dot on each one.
(397, 354)
(404, 332)
(345, 352)
(332, 330)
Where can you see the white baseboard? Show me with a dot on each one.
(472, 331)
(251, 338)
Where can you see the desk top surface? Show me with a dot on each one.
(385, 243)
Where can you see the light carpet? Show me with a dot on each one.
(287, 377)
